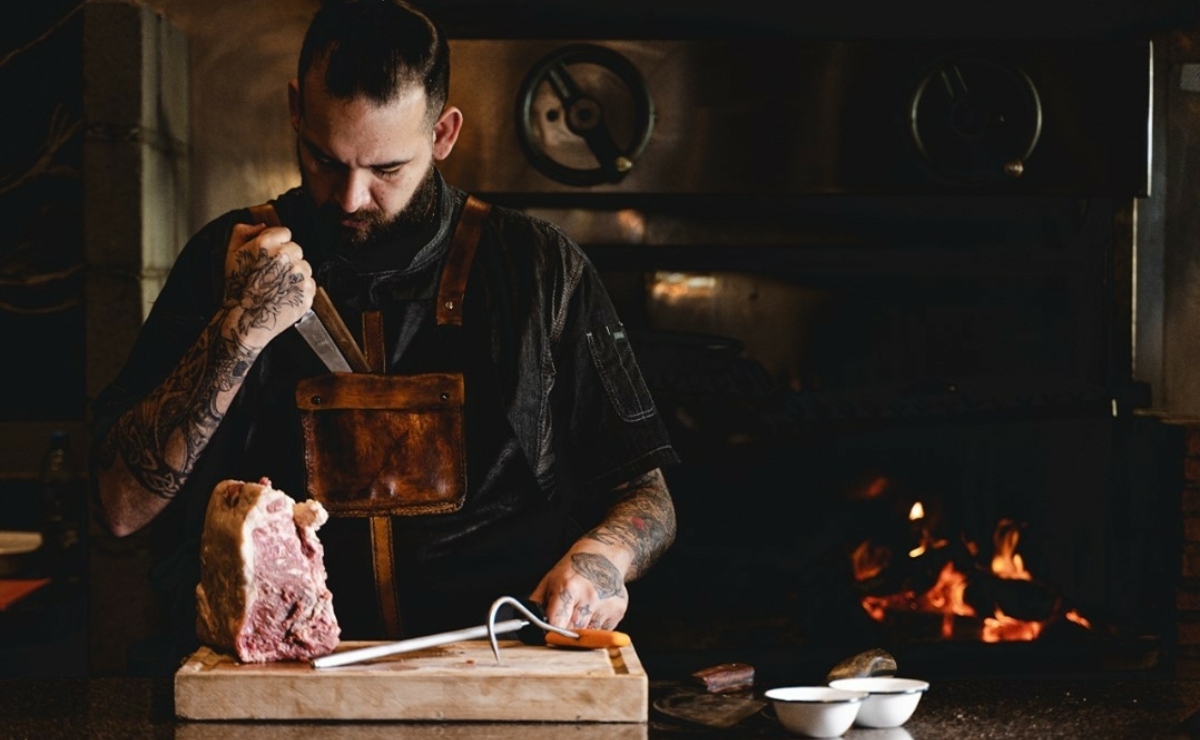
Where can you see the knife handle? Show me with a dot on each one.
(323, 308)
(590, 638)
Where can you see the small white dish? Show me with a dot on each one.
(890, 701)
(816, 711)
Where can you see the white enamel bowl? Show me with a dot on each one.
(816, 711)
(891, 701)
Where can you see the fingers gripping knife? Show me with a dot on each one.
(532, 630)
(324, 331)
(321, 326)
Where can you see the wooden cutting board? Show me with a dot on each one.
(460, 681)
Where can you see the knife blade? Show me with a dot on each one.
(338, 332)
(313, 330)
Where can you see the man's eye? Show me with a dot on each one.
(387, 172)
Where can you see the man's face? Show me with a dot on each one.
(369, 167)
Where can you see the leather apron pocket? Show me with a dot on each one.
(384, 445)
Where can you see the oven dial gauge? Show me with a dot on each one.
(584, 115)
(976, 120)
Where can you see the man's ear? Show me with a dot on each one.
(294, 103)
(445, 132)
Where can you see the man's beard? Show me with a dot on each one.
(377, 229)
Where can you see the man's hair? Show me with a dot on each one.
(376, 49)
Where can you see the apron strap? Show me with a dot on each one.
(264, 213)
(373, 345)
(453, 288)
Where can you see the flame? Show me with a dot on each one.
(928, 541)
(1006, 563)
(869, 561)
(1078, 619)
(1003, 628)
(948, 594)
(947, 597)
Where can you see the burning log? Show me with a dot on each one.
(1024, 600)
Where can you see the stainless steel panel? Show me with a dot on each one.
(826, 117)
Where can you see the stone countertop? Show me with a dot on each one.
(1010, 707)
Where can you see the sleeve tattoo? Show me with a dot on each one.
(642, 521)
(160, 439)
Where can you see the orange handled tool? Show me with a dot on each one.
(557, 636)
(590, 639)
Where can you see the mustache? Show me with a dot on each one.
(335, 214)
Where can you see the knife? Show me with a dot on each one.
(322, 328)
(318, 338)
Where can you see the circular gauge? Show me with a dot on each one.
(584, 115)
(976, 120)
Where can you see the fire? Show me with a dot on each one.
(928, 541)
(1003, 628)
(948, 595)
(1078, 619)
(1006, 563)
(869, 561)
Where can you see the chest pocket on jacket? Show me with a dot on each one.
(384, 445)
(612, 354)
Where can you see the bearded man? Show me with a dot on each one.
(535, 471)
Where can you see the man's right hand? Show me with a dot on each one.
(267, 277)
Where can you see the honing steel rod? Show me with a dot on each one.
(415, 643)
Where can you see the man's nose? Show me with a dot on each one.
(353, 192)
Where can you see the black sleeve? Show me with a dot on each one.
(614, 430)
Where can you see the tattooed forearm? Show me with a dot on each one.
(160, 439)
(601, 572)
(643, 522)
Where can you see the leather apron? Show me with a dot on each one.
(378, 446)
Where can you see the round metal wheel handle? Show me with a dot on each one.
(585, 115)
(980, 134)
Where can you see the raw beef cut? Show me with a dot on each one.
(262, 592)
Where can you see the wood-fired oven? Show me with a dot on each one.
(881, 292)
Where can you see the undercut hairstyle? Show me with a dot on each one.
(377, 49)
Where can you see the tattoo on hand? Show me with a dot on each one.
(643, 521)
(261, 286)
(600, 571)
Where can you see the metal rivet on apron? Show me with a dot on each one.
(445, 396)
(449, 305)
(317, 400)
